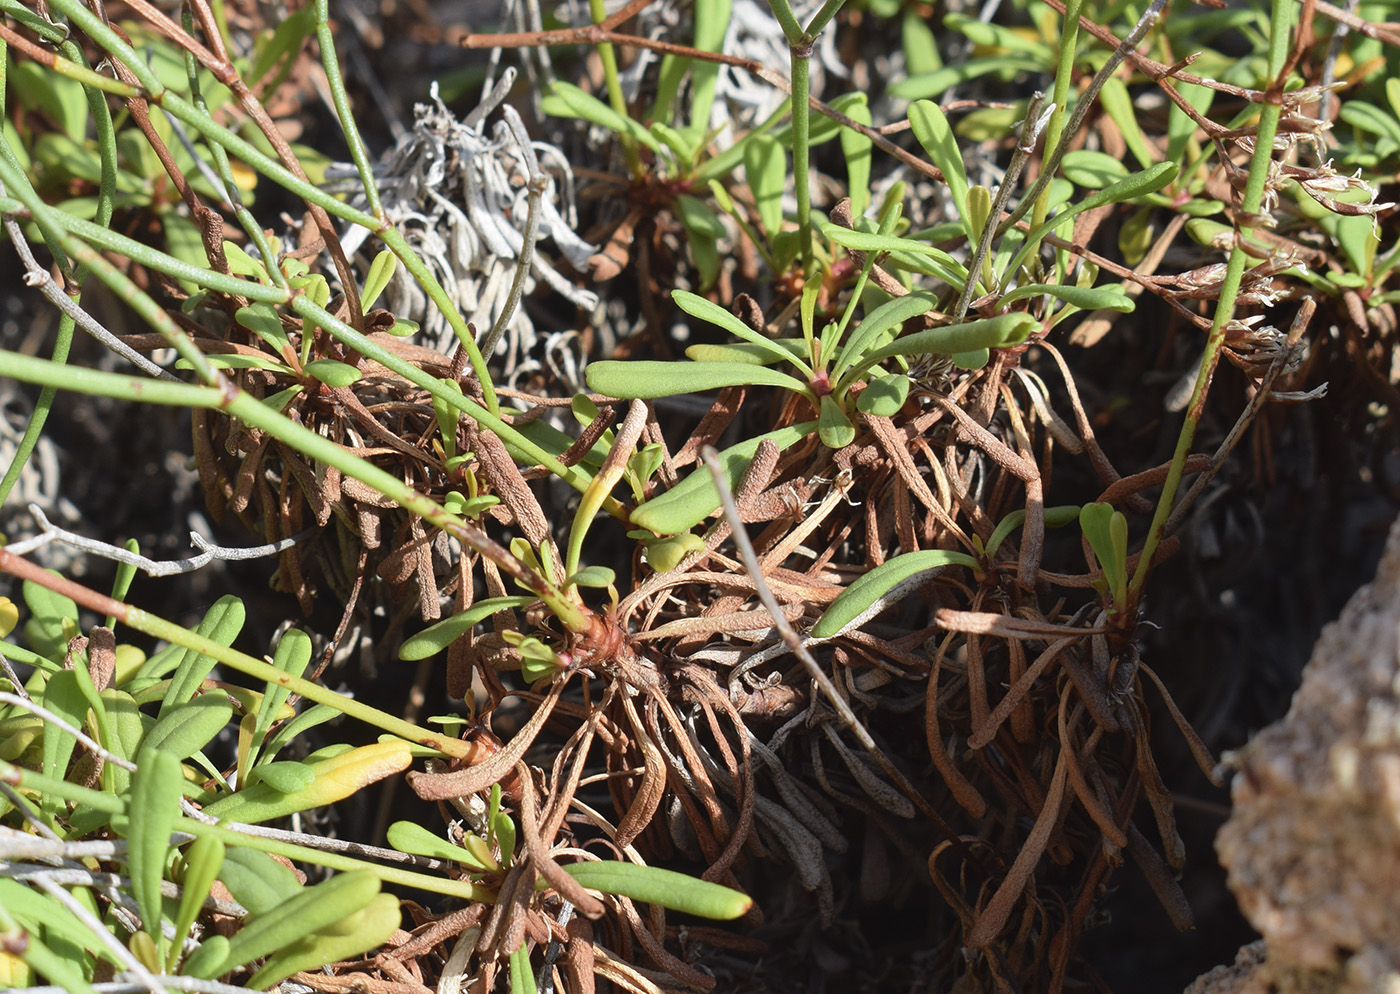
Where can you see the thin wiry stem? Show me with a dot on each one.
(28, 704)
(538, 182)
(799, 649)
(208, 551)
(1081, 110)
(1033, 125)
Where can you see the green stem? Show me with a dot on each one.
(1251, 202)
(823, 17)
(18, 776)
(106, 198)
(157, 627)
(336, 82)
(463, 888)
(245, 218)
(801, 130)
(1064, 74)
(608, 56)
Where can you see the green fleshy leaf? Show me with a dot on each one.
(889, 579)
(599, 577)
(1086, 298)
(333, 373)
(834, 427)
(221, 624)
(765, 165)
(433, 639)
(647, 379)
(381, 272)
(664, 887)
(183, 731)
(1107, 532)
(263, 320)
(884, 395)
(311, 910)
(152, 812)
(693, 499)
(934, 133)
(286, 777)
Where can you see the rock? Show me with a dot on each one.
(1313, 845)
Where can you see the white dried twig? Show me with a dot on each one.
(208, 551)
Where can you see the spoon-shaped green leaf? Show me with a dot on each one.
(693, 499)
(433, 639)
(1084, 297)
(1000, 332)
(185, 730)
(880, 586)
(363, 930)
(664, 887)
(153, 810)
(647, 379)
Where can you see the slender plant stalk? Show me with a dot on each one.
(1270, 111)
(801, 132)
(241, 214)
(157, 627)
(336, 82)
(608, 55)
(106, 198)
(1064, 73)
(801, 41)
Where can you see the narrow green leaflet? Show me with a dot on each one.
(935, 134)
(888, 316)
(1129, 188)
(264, 321)
(221, 623)
(381, 271)
(311, 910)
(664, 887)
(1055, 517)
(256, 880)
(884, 395)
(184, 730)
(834, 426)
(52, 621)
(880, 586)
(285, 777)
(856, 149)
(765, 165)
(333, 373)
(999, 332)
(64, 698)
(693, 499)
(293, 655)
(1107, 532)
(1087, 298)
(410, 837)
(152, 813)
(522, 979)
(335, 778)
(365, 929)
(567, 100)
(435, 638)
(202, 862)
(648, 379)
